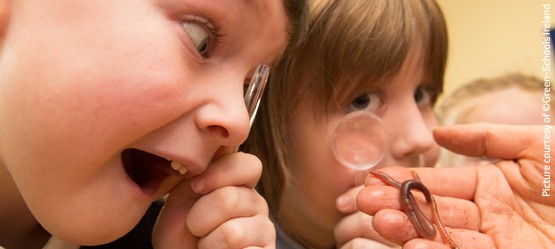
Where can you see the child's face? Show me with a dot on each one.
(508, 106)
(91, 91)
(405, 108)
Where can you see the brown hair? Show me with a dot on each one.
(297, 11)
(368, 39)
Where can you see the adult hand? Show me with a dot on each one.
(501, 205)
(218, 209)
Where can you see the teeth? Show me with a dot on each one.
(178, 167)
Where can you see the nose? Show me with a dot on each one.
(410, 133)
(225, 117)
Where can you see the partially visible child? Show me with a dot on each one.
(515, 99)
(382, 56)
(106, 106)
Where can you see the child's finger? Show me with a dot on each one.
(237, 169)
(357, 225)
(223, 204)
(244, 232)
(170, 230)
(346, 203)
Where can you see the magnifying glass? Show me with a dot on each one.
(360, 140)
(254, 92)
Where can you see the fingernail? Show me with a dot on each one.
(198, 184)
(342, 202)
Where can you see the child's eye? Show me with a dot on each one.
(369, 102)
(422, 96)
(200, 31)
(198, 35)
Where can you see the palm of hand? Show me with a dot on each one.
(513, 213)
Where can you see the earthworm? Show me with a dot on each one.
(422, 225)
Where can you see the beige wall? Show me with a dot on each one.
(492, 37)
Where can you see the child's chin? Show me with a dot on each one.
(100, 229)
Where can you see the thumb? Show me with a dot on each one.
(171, 229)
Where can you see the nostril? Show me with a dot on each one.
(219, 130)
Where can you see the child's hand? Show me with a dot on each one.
(218, 209)
(355, 230)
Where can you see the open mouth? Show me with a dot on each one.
(145, 169)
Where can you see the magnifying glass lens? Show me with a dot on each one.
(360, 140)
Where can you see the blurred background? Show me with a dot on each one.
(494, 37)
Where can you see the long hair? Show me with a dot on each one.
(368, 39)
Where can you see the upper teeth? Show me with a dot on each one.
(178, 167)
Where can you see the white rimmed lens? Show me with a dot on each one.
(360, 140)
